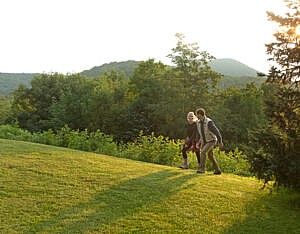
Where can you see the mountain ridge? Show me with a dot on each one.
(226, 66)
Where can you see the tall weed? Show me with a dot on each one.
(160, 150)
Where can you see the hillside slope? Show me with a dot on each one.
(46, 189)
(232, 67)
(11, 81)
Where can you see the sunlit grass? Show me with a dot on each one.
(46, 189)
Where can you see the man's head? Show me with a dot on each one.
(200, 113)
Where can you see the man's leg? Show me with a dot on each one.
(216, 167)
(205, 149)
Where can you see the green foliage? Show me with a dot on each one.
(235, 162)
(149, 148)
(31, 106)
(196, 78)
(275, 148)
(237, 74)
(108, 104)
(14, 133)
(71, 108)
(237, 111)
(146, 90)
(82, 140)
(5, 109)
(240, 82)
(276, 157)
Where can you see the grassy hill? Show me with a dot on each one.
(46, 189)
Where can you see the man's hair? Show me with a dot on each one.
(200, 111)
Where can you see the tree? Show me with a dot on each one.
(71, 108)
(145, 90)
(196, 78)
(275, 153)
(108, 103)
(5, 106)
(237, 111)
(22, 110)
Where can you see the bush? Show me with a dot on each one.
(232, 162)
(102, 143)
(274, 156)
(14, 133)
(45, 137)
(160, 150)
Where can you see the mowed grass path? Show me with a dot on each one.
(46, 189)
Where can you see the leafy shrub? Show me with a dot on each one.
(63, 137)
(45, 137)
(102, 143)
(78, 140)
(160, 150)
(147, 148)
(232, 162)
(14, 133)
(274, 156)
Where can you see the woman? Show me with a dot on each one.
(190, 140)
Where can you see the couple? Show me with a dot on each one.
(201, 132)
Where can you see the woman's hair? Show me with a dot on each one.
(192, 115)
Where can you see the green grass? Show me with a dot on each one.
(46, 189)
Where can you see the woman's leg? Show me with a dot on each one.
(185, 159)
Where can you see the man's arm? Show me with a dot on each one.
(213, 128)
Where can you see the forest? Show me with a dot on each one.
(262, 121)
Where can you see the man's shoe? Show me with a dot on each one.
(184, 166)
(200, 171)
(217, 172)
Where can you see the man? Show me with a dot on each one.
(208, 135)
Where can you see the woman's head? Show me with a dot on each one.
(191, 117)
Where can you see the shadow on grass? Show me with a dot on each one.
(118, 201)
(277, 212)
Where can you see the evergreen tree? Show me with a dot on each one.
(276, 148)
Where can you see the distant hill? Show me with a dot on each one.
(226, 66)
(235, 74)
(11, 81)
(127, 67)
(233, 68)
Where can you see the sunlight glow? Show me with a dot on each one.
(297, 30)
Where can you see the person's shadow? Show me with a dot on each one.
(118, 201)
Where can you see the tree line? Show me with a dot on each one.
(155, 99)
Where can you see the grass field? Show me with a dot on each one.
(46, 189)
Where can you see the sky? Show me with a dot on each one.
(70, 36)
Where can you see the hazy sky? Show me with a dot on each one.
(70, 36)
